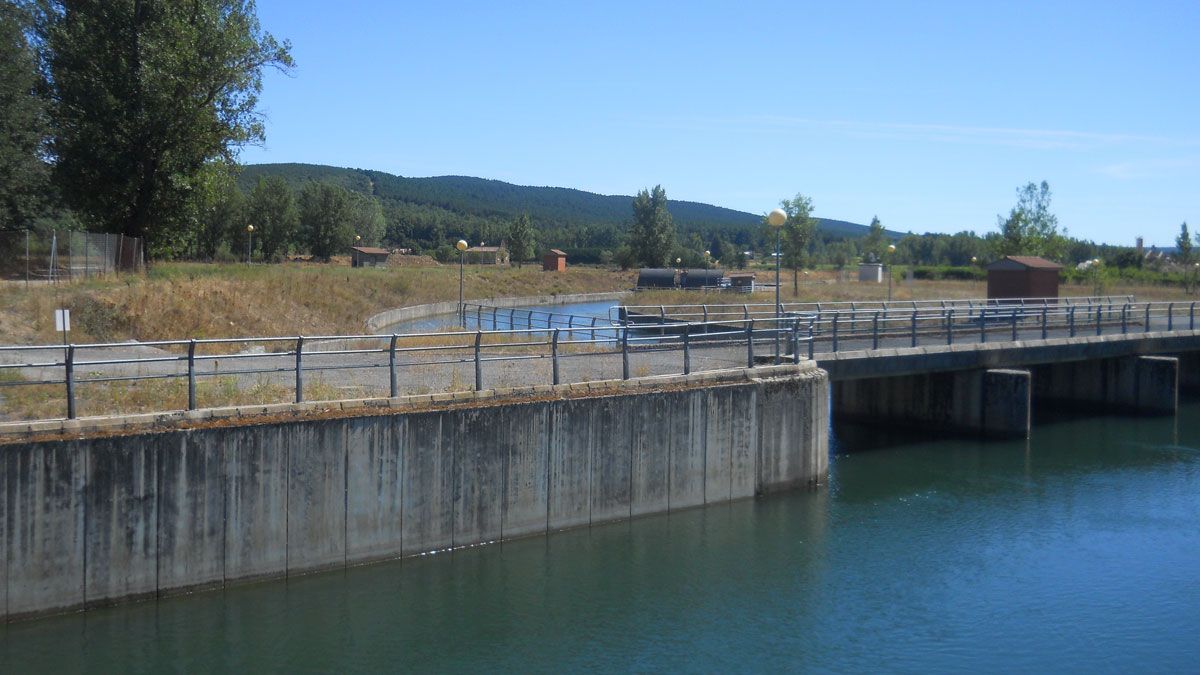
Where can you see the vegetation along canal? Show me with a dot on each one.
(1076, 550)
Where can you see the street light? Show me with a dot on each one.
(706, 255)
(776, 219)
(249, 242)
(462, 255)
(891, 249)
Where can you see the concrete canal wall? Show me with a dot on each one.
(387, 318)
(101, 511)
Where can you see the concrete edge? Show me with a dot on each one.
(120, 425)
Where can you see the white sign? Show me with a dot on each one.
(62, 320)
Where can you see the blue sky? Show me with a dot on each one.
(928, 114)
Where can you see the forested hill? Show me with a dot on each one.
(549, 207)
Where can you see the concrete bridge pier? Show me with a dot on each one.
(991, 402)
(1131, 384)
(1189, 371)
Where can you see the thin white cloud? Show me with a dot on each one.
(1147, 168)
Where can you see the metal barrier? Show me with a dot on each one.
(477, 349)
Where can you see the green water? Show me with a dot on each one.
(1078, 551)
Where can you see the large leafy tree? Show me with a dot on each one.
(145, 93)
(653, 234)
(326, 219)
(272, 212)
(23, 123)
(1030, 228)
(797, 235)
(520, 239)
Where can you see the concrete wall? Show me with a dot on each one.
(1139, 384)
(92, 520)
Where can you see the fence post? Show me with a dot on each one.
(478, 361)
(950, 326)
(191, 361)
(300, 369)
(750, 343)
(1045, 315)
(625, 353)
(393, 388)
(69, 364)
(914, 328)
(687, 349)
(835, 335)
(554, 353)
(1147, 327)
(875, 331)
(1014, 324)
(1071, 321)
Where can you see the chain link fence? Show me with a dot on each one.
(63, 255)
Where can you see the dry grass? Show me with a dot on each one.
(183, 300)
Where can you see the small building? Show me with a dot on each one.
(368, 256)
(702, 279)
(650, 277)
(1015, 276)
(871, 272)
(742, 282)
(487, 255)
(554, 260)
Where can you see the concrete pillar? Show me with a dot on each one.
(994, 403)
(1131, 384)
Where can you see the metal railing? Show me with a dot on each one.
(489, 317)
(292, 358)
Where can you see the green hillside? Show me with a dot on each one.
(476, 203)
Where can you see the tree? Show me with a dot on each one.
(325, 219)
(875, 241)
(272, 212)
(653, 233)
(520, 239)
(797, 234)
(144, 94)
(1030, 228)
(367, 219)
(23, 124)
(1184, 243)
(221, 216)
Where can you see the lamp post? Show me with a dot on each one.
(462, 255)
(891, 249)
(776, 219)
(249, 242)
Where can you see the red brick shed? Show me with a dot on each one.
(1018, 276)
(554, 261)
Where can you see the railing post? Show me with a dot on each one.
(835, 332)
(554, 353)
(69, 364)
(875, 331)
(191, 361)
(299, 369)
(950, 326)
(750, 343)
(478, 360)
(796, 340)
(705, 308)
(914, 328)
(1170, 316)
(1192, 316)
(495, 325)
(393, 385)
(1099, 316)
(983, 324)
(625, 353)
(1014, 324)
(1146, 329)
(1045, 316)
(687, 349)
(478, 316)
(1071, 321)
(1124, 318)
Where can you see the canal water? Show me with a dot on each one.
(1078, 551)
(556, 316)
